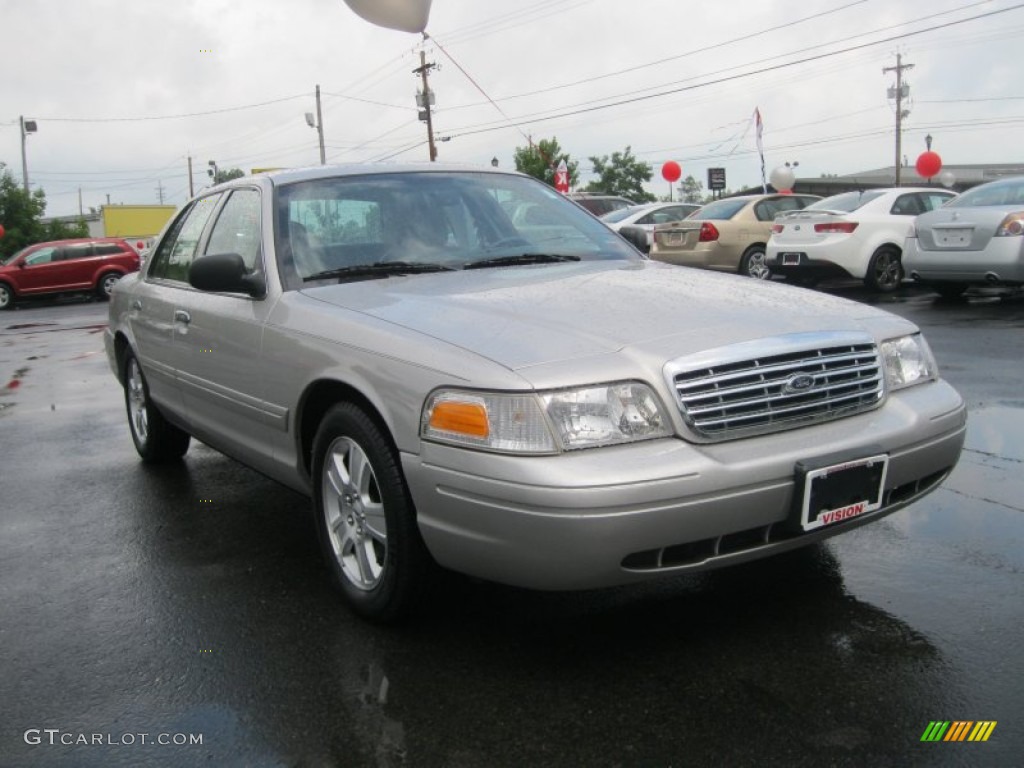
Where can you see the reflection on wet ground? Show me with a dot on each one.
(191, 599)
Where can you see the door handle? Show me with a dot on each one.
(181, 316)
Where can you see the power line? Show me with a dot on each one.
(171, 117)
(730, 78)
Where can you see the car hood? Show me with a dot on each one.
(532, 315)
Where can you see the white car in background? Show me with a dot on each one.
(637, 222)
(853, 234)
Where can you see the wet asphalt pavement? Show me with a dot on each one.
(142, 605)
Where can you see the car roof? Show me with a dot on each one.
(289, 175)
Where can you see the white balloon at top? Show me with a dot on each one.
(405, 15)
(782, 178)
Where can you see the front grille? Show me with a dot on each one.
(723, 401)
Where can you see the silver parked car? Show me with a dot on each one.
(531, 403)
(976, 239)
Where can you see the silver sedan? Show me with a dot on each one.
(976, 239)
(532, 403)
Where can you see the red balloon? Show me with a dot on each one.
(671, 171)
(928, 164)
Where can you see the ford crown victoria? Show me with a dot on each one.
(535, 404)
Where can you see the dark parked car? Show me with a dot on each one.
(523, 399)
(66, 266)
(600, 204)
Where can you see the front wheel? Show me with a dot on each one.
(155, 438)
(105, 285)
(6, 297)
(885, 271)
(365, 517)
(753, 263)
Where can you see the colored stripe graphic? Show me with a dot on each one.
(982, 730)
(959, 730)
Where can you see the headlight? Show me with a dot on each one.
(908, 361)
(545, 422)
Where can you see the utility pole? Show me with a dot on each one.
(899, 92)
(320, 127)
(27, 127)
(160, 191)
(190, 190)
(427, 99)
(80, 201)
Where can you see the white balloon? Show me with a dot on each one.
(406, 15)
(947, 178)
(782, 178)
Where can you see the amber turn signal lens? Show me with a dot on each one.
(462, 418)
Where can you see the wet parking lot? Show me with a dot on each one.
(182, 616)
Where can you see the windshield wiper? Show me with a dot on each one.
(522, 258)
(380, 269)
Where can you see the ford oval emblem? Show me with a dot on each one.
(796, 227)
(798, 382)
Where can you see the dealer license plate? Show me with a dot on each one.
(675, 238)
(791, 259)
(842, 491)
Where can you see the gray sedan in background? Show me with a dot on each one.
(532, 403)
(976, 239)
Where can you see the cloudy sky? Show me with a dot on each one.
(124, 91)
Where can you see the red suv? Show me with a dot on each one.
(66, 266)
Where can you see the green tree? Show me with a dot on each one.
(228, 175)
(21, 214)
(622, 174)
(541, 159)
(691, 190)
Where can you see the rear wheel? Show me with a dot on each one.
(6, 297)
(949, 290)
(155, 438)
(365, 516)
(105, 285)
(753, 263)
(885, 270)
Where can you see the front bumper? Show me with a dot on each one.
(611, 516)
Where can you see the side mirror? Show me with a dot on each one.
(225, 273)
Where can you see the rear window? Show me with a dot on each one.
(1009, 192)
(846, 202)
(720, 209)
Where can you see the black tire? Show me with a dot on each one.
(885, 270)
(949, 291)
(155, 438)
(6, 297)
(753, 263)
(106, 284)
(365, 518)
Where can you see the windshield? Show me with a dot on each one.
(1009, 192)
(720, 209)
(12, 257)
(430, 221)
(846, 202)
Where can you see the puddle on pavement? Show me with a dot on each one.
(979, 510)
(21, 326)
(996, 430)
(15, 381)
